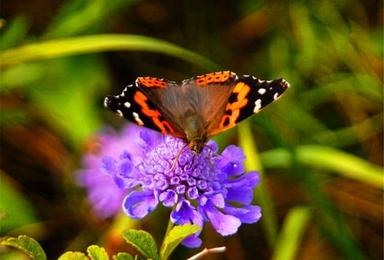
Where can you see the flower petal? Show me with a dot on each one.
(241, 189)
(222, 223)
(231, 160)
(108, 165)
(185, 213)
(168, 198)
(217, 200)
(249, 214)
(192, 241)
(138, 204)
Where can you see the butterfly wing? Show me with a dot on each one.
(209, 93)
(248, 95)
(139, 104)
(216, 101)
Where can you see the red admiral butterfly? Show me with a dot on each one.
(199, 108)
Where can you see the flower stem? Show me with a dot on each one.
(169, 227)
(253, 162)
(207, 251)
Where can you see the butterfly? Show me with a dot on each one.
(199, 107)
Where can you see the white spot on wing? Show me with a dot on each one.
(285, 83)
(127, 104)
(119, 113)
(106, 102)
(257, 106)
(137, 118)
(261, 91)
(276, 96)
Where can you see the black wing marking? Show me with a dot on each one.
(136, 105)
(249, 95)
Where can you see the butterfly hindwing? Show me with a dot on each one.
(135, 105)
(248, 96)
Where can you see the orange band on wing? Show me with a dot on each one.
(214, 77)
(151, 82)
(242, 91)
(153, 114)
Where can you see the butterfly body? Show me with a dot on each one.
(199, 107)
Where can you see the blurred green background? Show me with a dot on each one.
(319, 148)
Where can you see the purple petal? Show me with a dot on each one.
(138, 204)
(148, 138)
(106, 202)
(185, 213)
(125, 168)
(241, 189)
(217, 200)
(223, 224)
(240, 195)
(108, 165)
(192, 241)
(231, 160)
(168, 198)
(249, 214)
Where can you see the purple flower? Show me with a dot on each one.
(153, 169)
(103, 192)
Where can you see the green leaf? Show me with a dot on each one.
(81, 16)
(15, 209)
(123, 256)
(253, 162)
(97, 253)
(21, 75)
(26, 244)
(288, 241)
(98, 43)
(175, 237)
(328, 158)
(14, 32)
(142, 241)
(71, 100)
(73, 256)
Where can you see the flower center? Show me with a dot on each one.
(175, 171)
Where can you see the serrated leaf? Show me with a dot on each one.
(26, 244)
(142, 241)
(174, 238)
(123, 256)
(97, 253)
(73, 256)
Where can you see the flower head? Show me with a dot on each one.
(205, 187)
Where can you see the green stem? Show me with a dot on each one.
(169, 227)
(253, 162)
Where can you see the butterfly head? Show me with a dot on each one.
(195, 131)
(196, 145)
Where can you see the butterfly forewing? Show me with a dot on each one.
(248, 96)
(138, 104)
